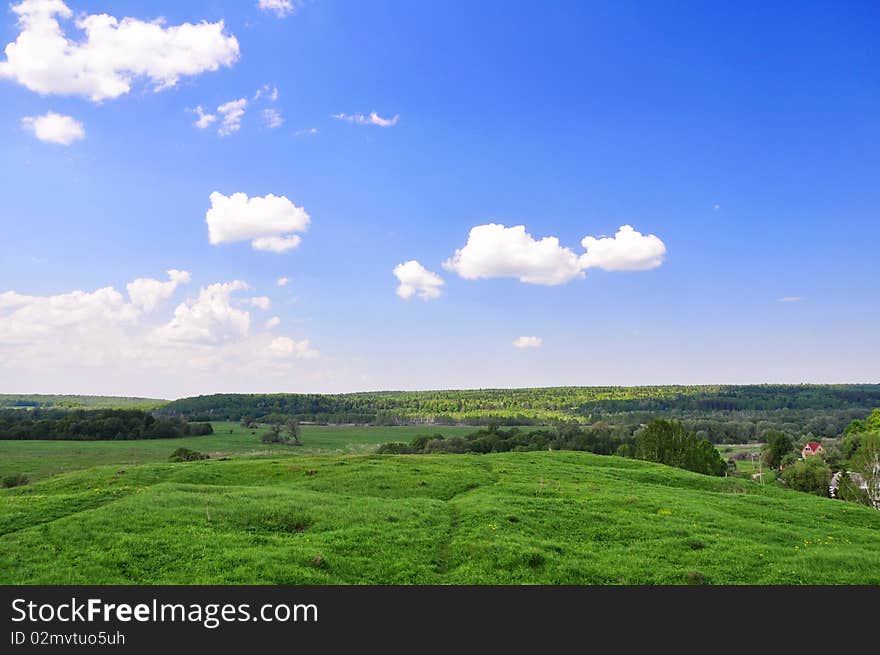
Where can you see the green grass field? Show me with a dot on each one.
(41, 459)
(538, 517)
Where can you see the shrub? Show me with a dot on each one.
(811, 475)
(187, 455)
(15, 481)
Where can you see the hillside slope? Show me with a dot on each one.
(539, 517)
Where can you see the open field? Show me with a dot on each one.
(537, 517)
(41, 459)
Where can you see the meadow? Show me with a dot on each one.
(513, 518)
(41, 459)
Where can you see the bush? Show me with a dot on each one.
(15, 481)
(187, 455)
(811, 475)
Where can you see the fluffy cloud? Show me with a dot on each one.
(269, 223)
(208, 318)
(54, 128)
(494, 250)
(283, 281)
(99, 340)
(205, 119)
(415, 279)
(231, 114)
(261, 302)
(528, 342)
(288, 348)
(272, 118)
(63, 317)
(372, 119)
(112, 54)
(628, 250)
(280, 8)
(145, 293)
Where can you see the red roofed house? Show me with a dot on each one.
(812, 448)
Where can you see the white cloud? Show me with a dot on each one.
(208, 318)
(287, 347)
(268, 222)
(272, 118)
(494, 250)
(145, 293)
(415, 279)
(372, 119)
(280, 8)
(232, 113)
(55, 128)
(790, 299)
(283, 281)
(112, 54)
(205, 119)
(261, 302)
(628, 250)
(98, 340)
(267, 91)
(308, 131)
(528, 342)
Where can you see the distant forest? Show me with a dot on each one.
(94, 425)
(722, 414)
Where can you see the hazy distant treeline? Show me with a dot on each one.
(94, 425)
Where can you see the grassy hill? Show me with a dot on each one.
(537, 517)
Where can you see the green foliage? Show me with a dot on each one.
(494, 439)
(186, 455)
(94, 424)
(811, 475)
(18, 480)
(727, 414)
(33, 401)
(866, 463)
(667, 442)
(778, 446)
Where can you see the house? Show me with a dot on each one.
(812, 448)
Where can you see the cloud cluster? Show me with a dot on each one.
(104, 331)
(372, 119)
(416, 280)
(113, 53)
(146, 293)
(55, 128)
(270, 223)
(494, 251)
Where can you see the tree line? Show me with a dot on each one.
(95, 425)
(662, 441)
(721, 414)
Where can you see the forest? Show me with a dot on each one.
(94, 425)
(721, 414)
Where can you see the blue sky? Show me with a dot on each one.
(743, 136)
